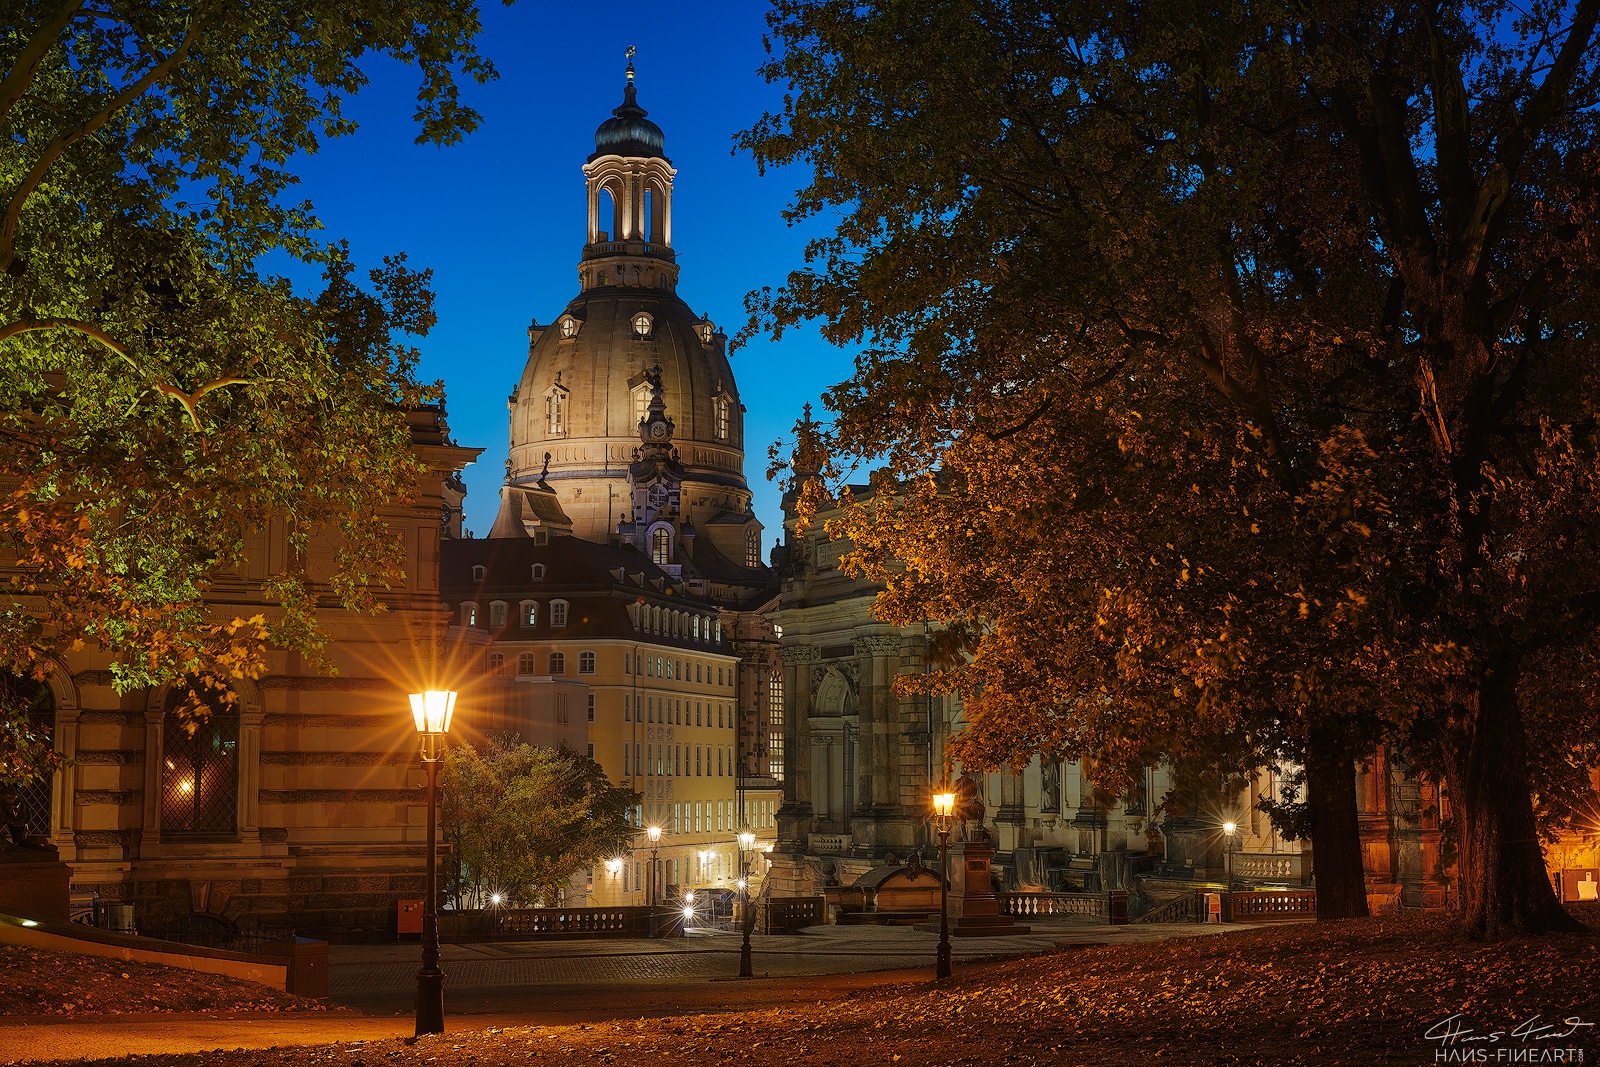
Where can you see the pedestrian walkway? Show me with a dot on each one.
(559, 983)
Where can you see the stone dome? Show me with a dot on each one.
(585, 388)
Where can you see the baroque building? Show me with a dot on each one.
(625, 554)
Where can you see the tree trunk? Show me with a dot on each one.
(1335, 830)
(1505, 887)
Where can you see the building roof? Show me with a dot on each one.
(598, 582)
(628, 133)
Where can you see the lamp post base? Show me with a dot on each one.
(430, 1001)
(746, 969)
(941, 966)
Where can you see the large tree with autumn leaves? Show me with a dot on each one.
(160, 395)
(1232, 370)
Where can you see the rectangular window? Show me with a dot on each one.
(530, 613)
(627, 707)
(627, 663)
(585, 662)
(591, 752)
(591, 707)
(497, 613)
(497, 662)
(558, 613)
(558, 663)
(697, 761)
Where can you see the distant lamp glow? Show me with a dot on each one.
(654, 833)
(186, 786)
(432, 710)
(1228, 828)
(743, 884)
(688, 913)
(496, 899)
(688, 897)
(29, 922)
(614, 865)
(747, 840)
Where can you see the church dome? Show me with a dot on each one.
(586, 386)
(628, 132)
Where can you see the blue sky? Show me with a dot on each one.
(500, 217)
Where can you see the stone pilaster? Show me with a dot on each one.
(796, 816)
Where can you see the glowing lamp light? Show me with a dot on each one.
(654, 834)
(747, 840)
(614, 865)
(1228, 828)
(742, 883)
(186, 786)
(432, 710)
(29, 922)
(496, 899)
(688, 898)
(944, 805)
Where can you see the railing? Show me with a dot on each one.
(532, 922)
(1180, 909)
(828, 843)
(1269, 867)
(1044, 904)
(791, 913)
(1274, 905)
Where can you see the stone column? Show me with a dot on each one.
(795, 817)
(878, 655)
(149, 822)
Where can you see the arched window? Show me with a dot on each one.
(469, 614)
(586, 663)
(569, 326)
(558, 663)
(555, 412)
(497, 662)
(722, 408)
(719, 632)
(33, 801)
(752, 547)
(641, 403)
(661, 546)
(655, 620)
(199, 768)
(642, 325)
(497, 613)
(526, 664)
(558, 613)
(528, 612)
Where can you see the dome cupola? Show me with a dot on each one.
(628, 132)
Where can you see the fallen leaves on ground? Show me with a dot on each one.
(39, 982)
(1356, 992)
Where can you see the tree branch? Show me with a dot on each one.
(53, 151)
(20, 76)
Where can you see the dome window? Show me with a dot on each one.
(569, 326)
(642, 324)
(723, 405)
(555, 412)
(706, 331)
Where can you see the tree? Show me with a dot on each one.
(160, 396)
(523, 820)
(1251, 348)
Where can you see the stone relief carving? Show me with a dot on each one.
(793, 654)
(877, 645)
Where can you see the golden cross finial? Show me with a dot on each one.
(631, 52)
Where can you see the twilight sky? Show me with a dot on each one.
(500, 216)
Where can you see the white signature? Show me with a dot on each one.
(1453, 1030)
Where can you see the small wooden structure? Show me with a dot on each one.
(891, 895)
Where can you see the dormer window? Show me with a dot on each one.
(528, 612)
(497, 613)
(642, 325)
(752, 547)
(538, 572)
(568, 326)
(555, 412)
(469, 614)
(558, 613)
(706, 331)
(661, 547)
(479, 572)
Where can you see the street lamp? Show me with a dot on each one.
(1228, 829)
(654, 834)
(432, 711)
(944, 810)
(747, 841)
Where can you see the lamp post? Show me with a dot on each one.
(747, 841)
(944, 810)
(432, 711)
(1228, 829)
(654, 834)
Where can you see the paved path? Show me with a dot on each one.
(559, 983)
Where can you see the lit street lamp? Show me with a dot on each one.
(1228, 830)
(944, 810)
(432, 711)
(747, 841)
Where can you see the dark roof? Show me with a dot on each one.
(597, 581)
(628, 132)
(875, 878)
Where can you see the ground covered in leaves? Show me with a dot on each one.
(1357, 992)
(38, 982)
